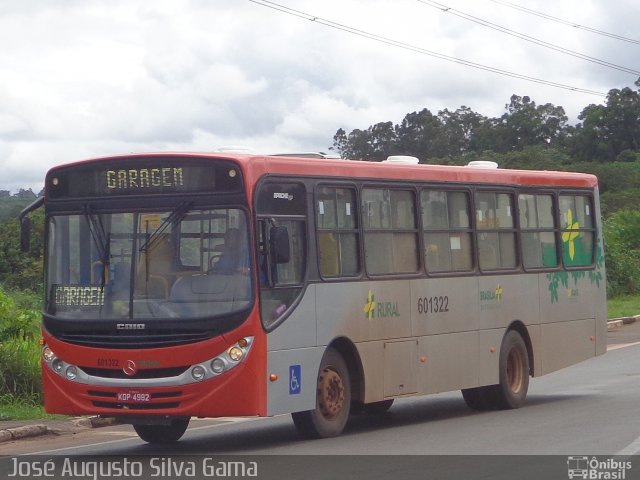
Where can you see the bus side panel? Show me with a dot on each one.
(444, 305)
(601, 295)
(505, 298)
(574, 300)
(294, 390)
(299, 329)
(573, 318)
(489, 356)
(535, 335)
(372, 357)
(441, 369)
(566, 343)
(601, 326)
(363, 311)
(294, 358)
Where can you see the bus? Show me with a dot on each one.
(182, 285)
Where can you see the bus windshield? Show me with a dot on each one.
(185, 262)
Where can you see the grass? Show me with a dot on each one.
(624, 306)
(20, 408)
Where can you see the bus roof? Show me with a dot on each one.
(256, 166)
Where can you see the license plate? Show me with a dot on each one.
(134, 396)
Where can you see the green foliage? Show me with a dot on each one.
(11, 205)
(19, 348)
(16, 322)
(20, 371)
(622, 247)
(623, 306)
(21, 408)
(20, 270)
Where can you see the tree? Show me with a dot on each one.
(526, 124)
(458, 130)
(622, 120)
(21, 270)
(418, 134)
(608, 130)
(622, 246)
(340, 143)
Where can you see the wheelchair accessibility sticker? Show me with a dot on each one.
(295, 377)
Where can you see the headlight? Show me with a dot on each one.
(217, 365)
(224, 362)
(48, 354)
(236, 354)
(71, 372)
(57, 365)
(198, 373)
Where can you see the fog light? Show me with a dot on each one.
(57, 365)
(198, 373)
(48, 354)
(235, 354)
(71, 372)
(217, 365)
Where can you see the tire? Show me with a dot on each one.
(333, 400)
(512, 390)
(376, 408)
(162, 433)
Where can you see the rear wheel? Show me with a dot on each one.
(512, 390)
(163, 433)
(333, 400)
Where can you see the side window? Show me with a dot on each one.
(577, 230)
(496, 232)
(281, 209)
(280, 282)
(537, 231)
(337, 229)
(390, 231)
(447, 231)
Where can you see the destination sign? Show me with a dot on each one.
(78, 296)
(137, 176)
(145, 178)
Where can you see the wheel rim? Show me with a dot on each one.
(515, 370)
(330, 393)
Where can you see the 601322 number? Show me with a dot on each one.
(439, 304)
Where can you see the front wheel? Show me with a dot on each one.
(333, 400)
(162, 433)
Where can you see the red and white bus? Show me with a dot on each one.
(213, 285)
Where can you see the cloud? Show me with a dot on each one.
(113, 76)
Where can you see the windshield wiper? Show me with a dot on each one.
(175, 217)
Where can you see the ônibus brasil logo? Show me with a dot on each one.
(596, 469)
(373, 309)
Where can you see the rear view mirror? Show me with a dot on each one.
(25, 224)
(280, 248)
(25, 234)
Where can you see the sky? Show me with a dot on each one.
(88, 78)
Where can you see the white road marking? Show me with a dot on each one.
(632, 449)
(621, 345)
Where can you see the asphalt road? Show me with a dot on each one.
(588, 409)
